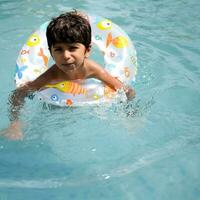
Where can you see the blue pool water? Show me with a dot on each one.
(147, 149)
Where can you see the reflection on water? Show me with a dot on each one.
(130, 165)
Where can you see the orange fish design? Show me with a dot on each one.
(118, 42)
(44, 57)
(69, 87)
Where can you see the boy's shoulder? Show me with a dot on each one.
(52, 73)
(92, 68)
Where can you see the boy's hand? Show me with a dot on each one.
(130, 93)
(13, 132)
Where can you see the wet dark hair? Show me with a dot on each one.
(70, 27)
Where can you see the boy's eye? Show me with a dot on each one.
(73, 48)
(57, 49)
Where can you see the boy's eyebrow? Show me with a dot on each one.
(73, 44)
(69, 45)
(56, 45)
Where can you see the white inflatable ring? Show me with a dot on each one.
(119, 57)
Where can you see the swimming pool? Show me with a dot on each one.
(147, 149)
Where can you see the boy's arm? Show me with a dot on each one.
(17, 97)
(101, 74)
(16, 102)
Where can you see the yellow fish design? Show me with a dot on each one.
(69, 87)
(105, 24)
(118, 42)
(34, 40)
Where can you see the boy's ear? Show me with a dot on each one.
(88, 51)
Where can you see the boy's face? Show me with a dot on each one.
(69, 57)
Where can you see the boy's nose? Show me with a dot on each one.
(66, 54)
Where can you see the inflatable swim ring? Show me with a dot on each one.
(119, 57)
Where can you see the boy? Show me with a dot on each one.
(69, 42)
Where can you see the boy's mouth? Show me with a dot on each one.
(68, 65)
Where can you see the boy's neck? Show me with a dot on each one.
(73, 75)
